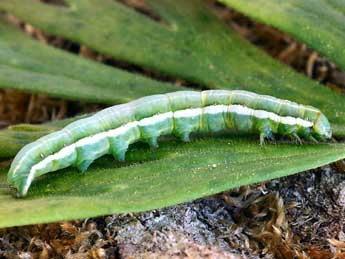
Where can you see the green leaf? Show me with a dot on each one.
(150, 179)
(318, 23)
(193, 45)
(31, 66)
(15, 137)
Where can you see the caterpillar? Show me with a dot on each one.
(113, 129)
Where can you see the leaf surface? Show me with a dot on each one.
(15, 137)
(150, 179)
(190, 43)
(31, 66)
(318, 23)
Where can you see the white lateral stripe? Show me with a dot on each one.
(188, 113)
(289, 120)
(156, 118)
(261, 114)
(213, 109)
(304, 123)
(240, 109)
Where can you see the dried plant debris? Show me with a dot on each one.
(199, 229)
(314, 210)
(301, 216)
(283, 47)
(18, 107)
(65, 240)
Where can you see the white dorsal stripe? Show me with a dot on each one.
(186, 113)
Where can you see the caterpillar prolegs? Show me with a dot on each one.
(112, 130)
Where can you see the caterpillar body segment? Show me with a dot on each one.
(112, 130)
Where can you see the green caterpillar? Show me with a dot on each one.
(112, 130)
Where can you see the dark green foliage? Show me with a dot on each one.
(191, 44)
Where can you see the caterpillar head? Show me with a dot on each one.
(322, 128)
